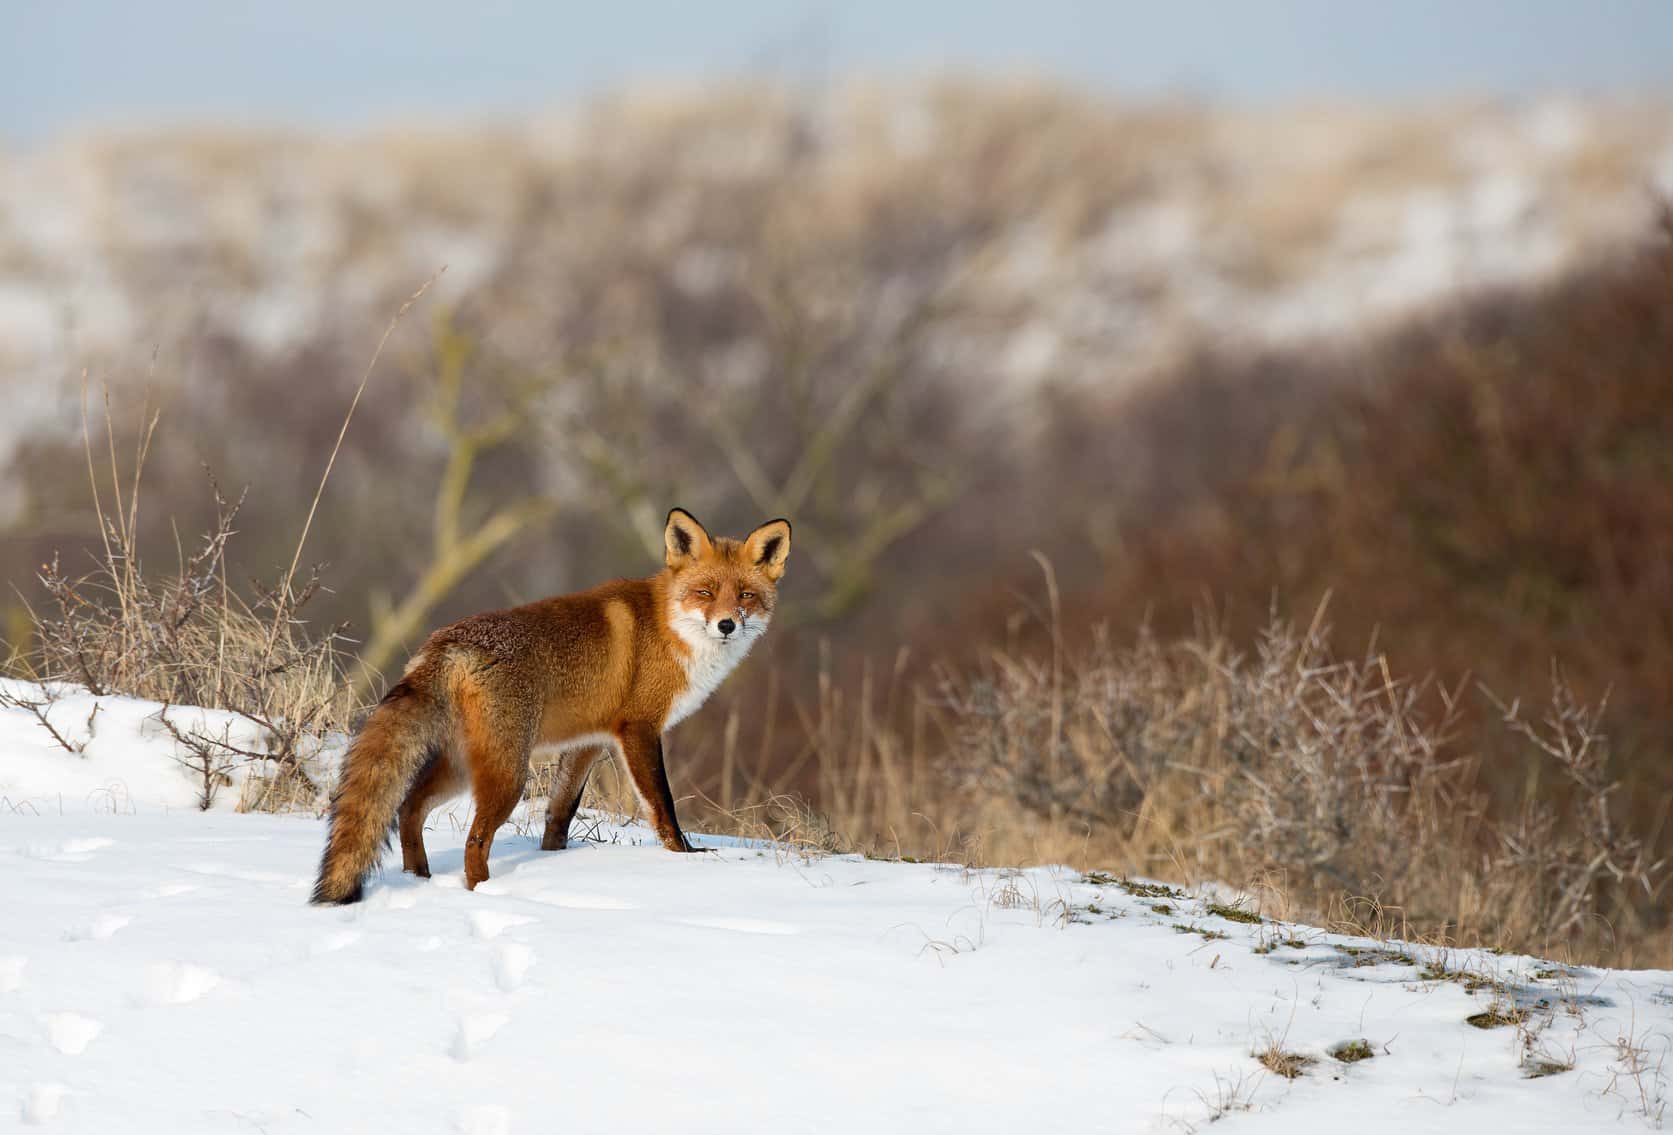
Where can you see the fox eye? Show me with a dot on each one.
(746, 595)
(705, 593)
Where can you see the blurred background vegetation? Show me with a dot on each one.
(1113, 406)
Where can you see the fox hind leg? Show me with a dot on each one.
(497, 747)
(569, 781)
(495, 801)
(439, 779)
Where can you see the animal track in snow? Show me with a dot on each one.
(41, 1104)
(70, 851)
(741, 925)
(580, 900)
(487, 924)
(475, 1030)
(331, 943)
(71, 1033)
(485, 1119)
(179, 983)
(394, 898)
(11, 973)
(512, 965)
(100, 927)
(222, 871)
(169, 890)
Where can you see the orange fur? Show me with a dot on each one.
(579, 674)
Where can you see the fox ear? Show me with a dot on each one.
(684, 538)
(768, 547)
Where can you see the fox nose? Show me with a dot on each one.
(727, 626)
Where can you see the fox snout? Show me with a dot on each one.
(734, 627)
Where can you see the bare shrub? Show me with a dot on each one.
(1193, 757)
(37, 705)
(1286, 758)
(1488, 488)
(187, 638)
(1638, 1074)
(1580, 863)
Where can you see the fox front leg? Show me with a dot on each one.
(642, 753)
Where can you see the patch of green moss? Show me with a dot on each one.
(1207, 934)
(1496, 1017)
(1353, 1051)
(1363, 956)
(1470, 981)
(1140, 889)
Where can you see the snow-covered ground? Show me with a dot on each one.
(161, 971)
(126, 754)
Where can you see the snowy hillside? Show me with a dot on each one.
(160, 971)
(1100, 234)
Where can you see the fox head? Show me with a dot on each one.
(721, 591)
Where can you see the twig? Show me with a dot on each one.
(290, 573)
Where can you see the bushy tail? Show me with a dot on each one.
(402, 733)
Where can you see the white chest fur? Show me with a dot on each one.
(708, 664)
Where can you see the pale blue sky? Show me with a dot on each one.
(348, 62)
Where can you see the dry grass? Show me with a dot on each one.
(188, 638)
(1285, 770)
(1289, 1065)
(1638, 1074)
(1496, 1017)
(1184, 750)
(1483, 493)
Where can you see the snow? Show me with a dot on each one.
(161, 971)
(128, 756)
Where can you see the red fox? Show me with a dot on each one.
(571, 678)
